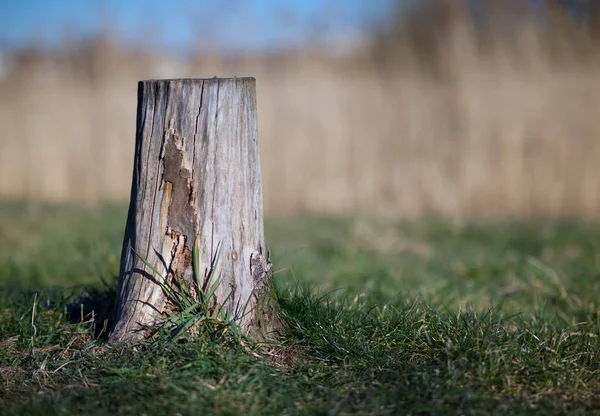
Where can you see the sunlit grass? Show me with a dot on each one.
(383, 317)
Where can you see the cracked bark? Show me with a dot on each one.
(196, 176)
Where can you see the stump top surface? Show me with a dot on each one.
(200, 79)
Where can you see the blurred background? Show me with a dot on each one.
(459, 108)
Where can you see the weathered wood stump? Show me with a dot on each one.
(196, 180)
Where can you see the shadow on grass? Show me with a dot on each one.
(94, 307)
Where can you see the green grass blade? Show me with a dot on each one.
(180, 330)
(196, 265)
(175, 298)
(151, 267)
(214, 263)
(213, 289)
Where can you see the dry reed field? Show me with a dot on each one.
(502, 125)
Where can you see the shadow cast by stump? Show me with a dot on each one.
(94, 308)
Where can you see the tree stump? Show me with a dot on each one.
(196, 181)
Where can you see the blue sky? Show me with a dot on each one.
(182, 24)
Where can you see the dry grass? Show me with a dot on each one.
(502, 131)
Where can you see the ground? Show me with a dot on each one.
(382, 317)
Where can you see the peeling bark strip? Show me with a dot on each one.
(196, 176)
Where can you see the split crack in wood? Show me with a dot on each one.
(180, 214)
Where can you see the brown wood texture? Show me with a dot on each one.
(196, 176)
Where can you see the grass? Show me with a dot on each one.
(383, 317)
